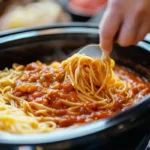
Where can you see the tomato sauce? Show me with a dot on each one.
(45, 85)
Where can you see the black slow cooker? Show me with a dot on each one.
(57, 43)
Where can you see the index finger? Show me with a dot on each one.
(109, 26)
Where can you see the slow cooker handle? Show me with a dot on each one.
(147, 38)
(145, 44)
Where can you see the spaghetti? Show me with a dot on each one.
(39, 98)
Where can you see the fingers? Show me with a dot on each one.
(132, 33)
(128, 34)
(134, 27)
(108, 28)
(129, 20)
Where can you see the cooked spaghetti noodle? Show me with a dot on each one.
(39, 98)
(94, 80)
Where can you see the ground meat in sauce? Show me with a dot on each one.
(45, 85)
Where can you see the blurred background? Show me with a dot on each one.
(16, 14)
(30, 13)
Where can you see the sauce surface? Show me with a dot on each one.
(45, 85)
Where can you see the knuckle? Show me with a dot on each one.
(131, 28)
(106, 34)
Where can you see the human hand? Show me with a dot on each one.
(126, 20)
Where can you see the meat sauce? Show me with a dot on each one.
(45, 85)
